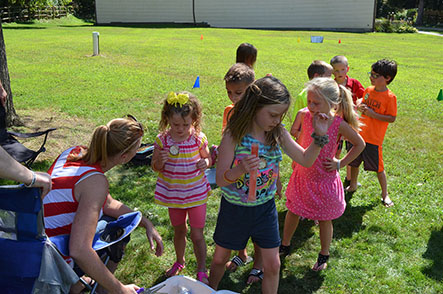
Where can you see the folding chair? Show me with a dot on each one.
(28, 260)
(107, 234)
(17, 150)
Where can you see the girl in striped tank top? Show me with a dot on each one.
(256, 121)
(181, 155)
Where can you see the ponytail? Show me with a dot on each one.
(117, 136)
(336, 96)
(346, 108)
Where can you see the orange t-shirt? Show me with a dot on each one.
(225, 116)
(384, 103)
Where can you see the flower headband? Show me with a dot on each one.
(180, 99)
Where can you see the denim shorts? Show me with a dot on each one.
(236, 224)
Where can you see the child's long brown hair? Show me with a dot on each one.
(111, 139)
(265, 91)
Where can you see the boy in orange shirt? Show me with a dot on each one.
(379, 108)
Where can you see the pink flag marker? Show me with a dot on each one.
(253, 177)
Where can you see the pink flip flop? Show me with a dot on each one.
(175, 269)
(203, 277)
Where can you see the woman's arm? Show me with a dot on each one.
(226, 175)
(116, 208)
(12, 170)
(91, 194)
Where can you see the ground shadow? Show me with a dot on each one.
(310, 283)
(301, 235)
(434, 252)
(23, 28)
(351, 221)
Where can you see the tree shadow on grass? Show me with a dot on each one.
(434, 252)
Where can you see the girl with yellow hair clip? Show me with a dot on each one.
(180, 157)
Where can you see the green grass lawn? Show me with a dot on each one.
(374, 250)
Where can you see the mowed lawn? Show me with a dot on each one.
(55, 80)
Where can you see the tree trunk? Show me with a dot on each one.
(421, 6)
(8, 116)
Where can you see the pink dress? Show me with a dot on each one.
(315, 193)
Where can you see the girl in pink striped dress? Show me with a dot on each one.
(181, 155)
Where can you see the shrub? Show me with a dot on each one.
(398, 26)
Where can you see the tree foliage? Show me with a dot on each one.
(34, 3)
(384, 7)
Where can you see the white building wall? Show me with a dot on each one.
(302, 14)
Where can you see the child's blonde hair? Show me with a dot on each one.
(336, 95)
(192, 107)
(117, 136)
(265, 91)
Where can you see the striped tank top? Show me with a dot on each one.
(60, 205)
(181, 184)
(270, 157)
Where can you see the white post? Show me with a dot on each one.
(95, 46)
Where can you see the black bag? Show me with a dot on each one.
(143, 155)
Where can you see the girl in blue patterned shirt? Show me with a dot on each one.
(256, 119)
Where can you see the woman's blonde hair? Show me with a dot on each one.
(265, 91)
(336, 95)
(117, 136)
(192, 107)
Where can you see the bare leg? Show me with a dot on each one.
(258, 264)
(180, 232)
(348, 173)
(221, 256)
(271, 269)
(291, 224)
(199, 249)
(384, 189)
(326, 231)
(354, 177)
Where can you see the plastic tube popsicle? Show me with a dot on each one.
(253, 177)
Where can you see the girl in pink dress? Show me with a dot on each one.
(317, 192)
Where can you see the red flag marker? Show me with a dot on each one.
(253, 177)
(339, 41)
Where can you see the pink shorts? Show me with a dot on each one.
(197, 216)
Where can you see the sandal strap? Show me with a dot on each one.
(238, 261)
(177, 266)
(201, 276)
(322, 259)
(256, 273)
